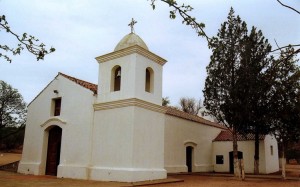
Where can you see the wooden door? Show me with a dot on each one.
(53, 152)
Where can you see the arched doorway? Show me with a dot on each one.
(189, 158)
(231, 165)
(53, 151)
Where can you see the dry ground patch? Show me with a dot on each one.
(195, 180)
(6, 158)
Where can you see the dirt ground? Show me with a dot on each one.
(9, 179)
(214, 181)
(6, 158)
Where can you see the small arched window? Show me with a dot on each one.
(116, 79)
(149, 80)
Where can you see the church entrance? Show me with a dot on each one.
(189, 158)
(231, 164)
(53, 151)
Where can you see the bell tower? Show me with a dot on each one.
(128, 129)
(130, 71)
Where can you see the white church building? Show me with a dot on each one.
(118, 130)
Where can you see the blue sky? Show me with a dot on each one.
(81, 30)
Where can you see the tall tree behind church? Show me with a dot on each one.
(220, 92)
(286, 101)
(253, 87)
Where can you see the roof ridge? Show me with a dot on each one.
(91, 86)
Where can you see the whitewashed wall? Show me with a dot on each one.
(128, 145)
(75, 120)
(267, 163)
(180, 133)
(133, 73)
(272, 161)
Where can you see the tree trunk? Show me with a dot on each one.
(243, 169)
(237, 172)
(283, 160)
(256, 154)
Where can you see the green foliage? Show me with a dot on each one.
(11, 137)
(237, 88)
(220, 92)
(254, 83)
(285, 97)
(12, 107)
(165, 101)
(25, 41)
(293, 154)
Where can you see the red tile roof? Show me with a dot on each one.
(227, 136)
(174, 112)
(85, 84)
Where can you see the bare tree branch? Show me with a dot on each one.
(288, 7)
(187, 19)
(280, 48)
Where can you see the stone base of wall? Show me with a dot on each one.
(126, 174)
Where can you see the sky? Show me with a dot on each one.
(81, 30)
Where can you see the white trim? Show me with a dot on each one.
(53, 120)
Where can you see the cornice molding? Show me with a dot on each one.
(130, 50)
(130, 102)
(54, 119)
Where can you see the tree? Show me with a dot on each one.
(165, 101)
(24, 41)
(190, 105)
(12, 107)
(253, 87)
(260, 124)
(184, 12)
(220, 92)
(285, 103)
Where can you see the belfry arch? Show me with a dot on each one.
(116, 78)
(149, 79)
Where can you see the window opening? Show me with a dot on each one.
(117, 79)
(57, 106)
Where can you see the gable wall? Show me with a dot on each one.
(76, 115)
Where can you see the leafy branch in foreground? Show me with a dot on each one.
(184, 10)
(24, 41)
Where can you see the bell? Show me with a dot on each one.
(119, 73)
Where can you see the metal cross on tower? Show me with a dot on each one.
(131, 24)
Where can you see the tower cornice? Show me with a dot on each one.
(130, 102)
(130, 50)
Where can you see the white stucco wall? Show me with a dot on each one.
(180, 133)
(75, 120)
(272, 160)
(128, 145)
(133, 73)
(247, 147)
